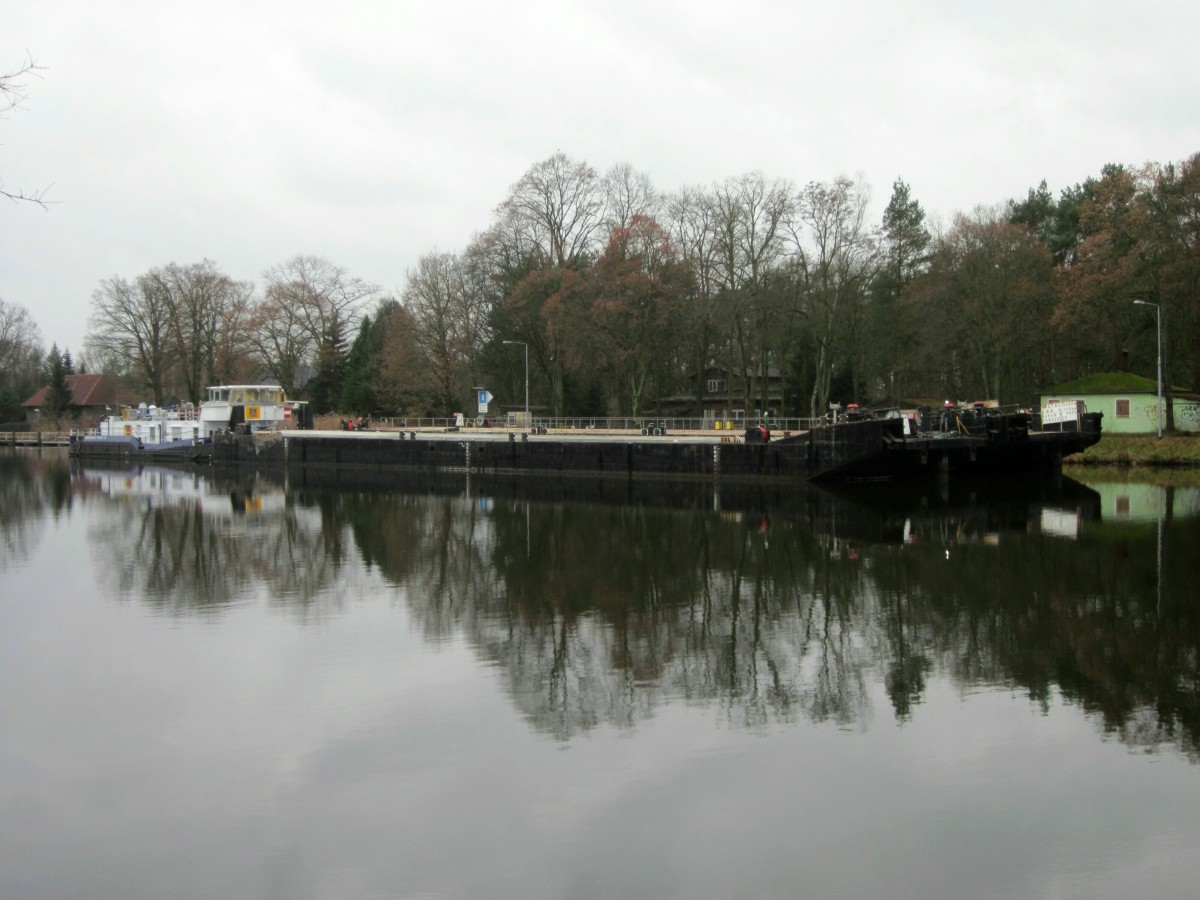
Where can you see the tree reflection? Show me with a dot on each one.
(32, 484)
(599, 612)
(184, 543)
(22, 502)
(597, 603)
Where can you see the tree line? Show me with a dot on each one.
(621, 295)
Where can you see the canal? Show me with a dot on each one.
(354, 684)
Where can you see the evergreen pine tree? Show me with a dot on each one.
(906, 242)
(906, 239)
(326, 387)
(59, 400)
(357, 395)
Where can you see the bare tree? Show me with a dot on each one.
(553, 214)
(837, 255)
(694, 228)
(20, 355)
(207, 309)
(20, 338)
(278, 337)
(449, 322)
(320, 293)
(751, 218)
(496, 263)
(560, 205)
(232, 360)
(628, 194)
(131, 325)
(308, 307)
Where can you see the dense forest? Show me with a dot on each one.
(621, 295)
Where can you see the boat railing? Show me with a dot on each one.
(642, 424)
(185, 413)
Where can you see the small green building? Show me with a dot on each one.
(1129, 402)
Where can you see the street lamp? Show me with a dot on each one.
(1158, 323)
(526, 346)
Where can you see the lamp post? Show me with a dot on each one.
(526, 346)
(1158, 324)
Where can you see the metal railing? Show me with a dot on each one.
(35, 438)
(599, 423)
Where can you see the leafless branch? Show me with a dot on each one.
(12, 94)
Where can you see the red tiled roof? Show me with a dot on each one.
(86, 390)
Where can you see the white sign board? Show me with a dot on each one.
(484, 398)
(1060, 522)
(1054, 411)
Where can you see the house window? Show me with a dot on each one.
(716, 385)
(1123, 408)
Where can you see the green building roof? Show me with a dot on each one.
(1107, 383)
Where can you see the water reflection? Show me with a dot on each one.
(599, 602)
(193, 541)
(31, 485)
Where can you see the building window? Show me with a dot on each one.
(716, 385)
(1123, 409)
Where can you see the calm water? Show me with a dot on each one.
(237, 688)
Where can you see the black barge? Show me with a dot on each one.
(971, 443)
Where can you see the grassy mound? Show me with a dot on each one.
(1140, 450)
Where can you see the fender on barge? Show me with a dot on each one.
(972, 443)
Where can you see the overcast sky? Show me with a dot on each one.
(371, 133)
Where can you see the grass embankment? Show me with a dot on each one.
(1140, 450)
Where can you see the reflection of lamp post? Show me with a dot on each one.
(1158, 323)
(526, 346)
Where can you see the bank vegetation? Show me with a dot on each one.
(1124, 450)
